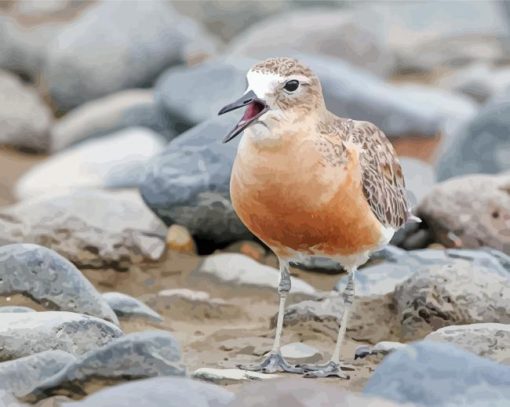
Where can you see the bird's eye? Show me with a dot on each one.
(291, 86)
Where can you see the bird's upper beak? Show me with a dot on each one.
(255, 108)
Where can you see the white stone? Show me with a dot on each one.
(116, 160)
(226, 376)
(238, 269)
(490, 340)
(298, 352)
(185, 293)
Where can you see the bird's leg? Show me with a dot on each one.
(274, 361)
(333, 367)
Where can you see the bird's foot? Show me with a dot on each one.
(330, 369)
(274, 362)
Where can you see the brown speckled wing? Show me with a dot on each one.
(382, 178)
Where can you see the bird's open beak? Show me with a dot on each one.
(255, 108)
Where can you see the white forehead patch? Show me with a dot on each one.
(262, 83)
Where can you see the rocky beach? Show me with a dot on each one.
(127, 278)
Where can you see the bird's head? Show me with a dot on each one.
(279, 90)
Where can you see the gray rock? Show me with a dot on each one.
(501, 258)
(188, 183)
(485, 257)
(91, 228)
(155, 392)
(397, 110)
(46, 9)
(228, 18)
(15, 309)
(50, 280)
(489, 340)
(22, 375)
(373, 316)
(430, 374)
(452, 53)
(221, 80)
(454, 294)
(331, 31)
(134, 356)
(428, 35)
(298, 352)
(239, 270)
(142, 40)
(126, 306)
(8, 400)
(128, 108)
(348, 91)
(302, 393)
(116, 160)
(479, 146)
(33, 332)
(323, 315)
(479, 81)
(420, 178)
(23, 49)
(24, 118)
(488, 258)
(473, 208)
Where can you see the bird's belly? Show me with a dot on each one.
(301, 214)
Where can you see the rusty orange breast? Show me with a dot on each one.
(291, 199)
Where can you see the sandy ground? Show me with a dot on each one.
(208, 338)
(12, 165)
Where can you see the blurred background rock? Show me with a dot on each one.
(109, 136)
(432, 75)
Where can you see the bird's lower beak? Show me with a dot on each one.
(255, 108)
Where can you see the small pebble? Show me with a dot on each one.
(179, 239)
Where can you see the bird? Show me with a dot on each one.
(311, 184)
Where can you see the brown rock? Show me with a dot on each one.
(473, 211)
(179, 239)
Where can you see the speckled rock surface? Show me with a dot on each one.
(22, 375)
(155, 392)
(429, 374)
(126, 306)
(134, 356)
(453, 294)
(91, 228)
(49, 279)
(15, 309)
(32, 332)
(474, 207)
(489, 340)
